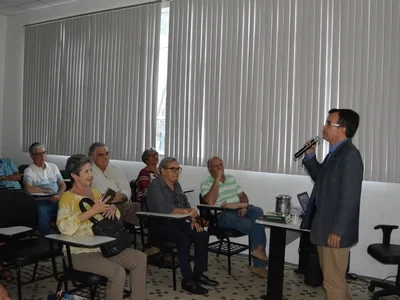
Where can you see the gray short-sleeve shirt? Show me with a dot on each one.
(161, 199)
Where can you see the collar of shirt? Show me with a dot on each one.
(332, 148)
(39, 168)
(164, 184)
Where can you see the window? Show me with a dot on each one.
(162, 81)
(251, 81)
(93, 78)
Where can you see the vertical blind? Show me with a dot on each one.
(252, 80)
(93, 78)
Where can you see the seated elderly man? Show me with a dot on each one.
(9, 175)
(165, 195)
(223, 190)
(44, 177)
(106, 175)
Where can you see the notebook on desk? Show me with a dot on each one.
(303, 198)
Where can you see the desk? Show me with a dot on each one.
(42, 196)
(14, 230)
(160, 215)
(277, 245)
(5, 188)
(81, 241)
(215, 207)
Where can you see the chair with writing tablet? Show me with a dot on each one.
(223, 245)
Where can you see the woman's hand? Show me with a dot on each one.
(110, 213)
(99, 208)
(195, 225)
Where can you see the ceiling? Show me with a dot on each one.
(13, 7)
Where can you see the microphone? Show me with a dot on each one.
(314, 141)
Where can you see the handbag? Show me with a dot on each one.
(111, 228)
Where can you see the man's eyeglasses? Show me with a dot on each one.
(103, 154)
(329, 123)
(39, 153)
(176, 170)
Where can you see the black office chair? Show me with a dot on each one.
(21, 170)
(223, 245)
(79, 279)
(135, 229)
(385, 253)
(67, 179)
(18, 208)
(167, 257)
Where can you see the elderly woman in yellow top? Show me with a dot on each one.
(72, 221)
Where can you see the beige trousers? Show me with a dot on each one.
(334, 263)
(114, 269)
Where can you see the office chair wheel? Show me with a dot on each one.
(371, 287)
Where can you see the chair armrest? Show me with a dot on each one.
(210, 207)
(142, 214)
(188, 190)
(387, 231)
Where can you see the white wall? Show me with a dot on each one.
(379, 200)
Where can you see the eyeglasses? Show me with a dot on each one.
(103, 154)
(176, 170)
(39, 153)
(329, 123)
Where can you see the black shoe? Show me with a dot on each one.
(203, 279)
(193, 287)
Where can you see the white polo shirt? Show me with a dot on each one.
(47, 178)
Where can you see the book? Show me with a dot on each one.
(276, 217)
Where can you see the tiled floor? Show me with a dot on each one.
(242, 284)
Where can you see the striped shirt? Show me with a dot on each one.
(228, 191)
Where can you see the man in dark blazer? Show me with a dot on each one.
(335, 200)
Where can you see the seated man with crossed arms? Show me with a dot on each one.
(44, 177)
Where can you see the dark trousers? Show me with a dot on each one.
(181, 233)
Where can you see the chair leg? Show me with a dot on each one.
(54, 265)
(229, 256)
(220, 246)
(66, 284)
(173, 271)
(19, 283)
(134, 238)
(142, 236)
(249, 252)
(34, 271)
(92, 291)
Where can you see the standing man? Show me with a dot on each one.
(223, 190)
(106, 175)
(336, 199)
(44, 177)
